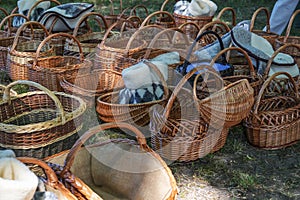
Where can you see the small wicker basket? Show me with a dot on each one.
(274, 121)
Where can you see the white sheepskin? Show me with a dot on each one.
(7, 153)
(16, 180)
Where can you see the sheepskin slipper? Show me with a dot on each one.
(68, 15)
(195, 8)
(16, 180)
(260, 51)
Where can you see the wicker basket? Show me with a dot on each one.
(48, 178)
(268, 35)
(233, 15)
(116, 53)
(115, 168)
(48, 70)
(179, 133)
(20, 54)
(38, 32)
(161, 18)
(289, 39)
(40, 123)
(91, 85)
(7, 38)
(89, 40)
(109, 109)
(274, 121)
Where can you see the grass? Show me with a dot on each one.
(238, 170)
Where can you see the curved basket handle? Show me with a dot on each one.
(83, 138)
(162, 8)
(67, 35)
(268, 67)
(60, 110)
(161, 13)
(134, 9)
(37, 3)
(255, 14)
(8, 19)
(21, 28)
(189, 23)
(290, 25)
(136, 20)
(85, 17)
(186, 61)
(266, 84)
(158, 35)
(112, 10)
(222, 52)
(179, 86)
(227, 9)
(15, 10)
(4, 11)
(213, 25)
(51, 177)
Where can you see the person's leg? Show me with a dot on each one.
(281, 14)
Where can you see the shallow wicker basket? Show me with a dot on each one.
(20, 53)
(274, 121)
(114, 168)
(47, 71)
(109, 109)
(40, 123)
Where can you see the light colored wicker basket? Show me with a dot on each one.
(115, 168)
(20, 53)
(40, 123)
(274, 121)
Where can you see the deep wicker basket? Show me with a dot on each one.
(48, 70)
(40, 123)
(274, 121)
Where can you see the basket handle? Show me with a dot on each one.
(266, 84)
(112, 10)
(222, 52)
(37, 3)
(161, 13)
(207, 32)
(179, 86)
(61, 34)
(227, 9)
(92, 131)
(136, 20)
(60, 110)
(134, 9)
(213, 26)
(290, 25)
(51, 177)
(4, 11)
(85, 17)
(270, 61)
(163, 5)
(254, 16)
(15, 10)
(8, 19)
(164, 31)
(190, 23)
(21, 28)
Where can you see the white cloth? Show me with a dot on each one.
(195, 8)
(17, 182)
(281, 14)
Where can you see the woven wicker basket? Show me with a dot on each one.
(109, 109)
(89, 40)
(48, 178)
(274, 121)
(116, 53)
(268, 35)
(7, 38)
(20, 53)
(48, 70)
(115, 168)
(222, 13)
(40, 123)
(161, 18)
(289, 39)
(179, 133)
